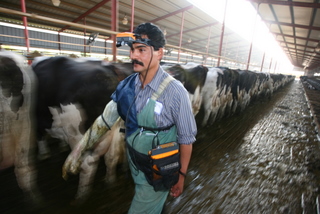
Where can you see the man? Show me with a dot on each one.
(155, 108)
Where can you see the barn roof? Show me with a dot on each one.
(294, 24)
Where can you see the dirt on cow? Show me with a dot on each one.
(263, 160)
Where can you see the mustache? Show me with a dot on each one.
(137, 62)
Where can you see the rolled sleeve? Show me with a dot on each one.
(184, 118)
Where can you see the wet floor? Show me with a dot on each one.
(265, 160)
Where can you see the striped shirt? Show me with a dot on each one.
(176, 106)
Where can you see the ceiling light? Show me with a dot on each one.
(125, 20)
(165, 31)
(56, 3)
(189, 40)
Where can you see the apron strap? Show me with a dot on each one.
(161, 88)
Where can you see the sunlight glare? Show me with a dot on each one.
(242, 18)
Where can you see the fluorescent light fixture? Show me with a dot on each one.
(125, 20)
(56, 3)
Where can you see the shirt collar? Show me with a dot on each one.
(155, 82)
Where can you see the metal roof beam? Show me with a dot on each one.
(297, 37)
(173, 13)
(287, 3)
(103, 2)
(290, 43)
(47, 19)
(309, 54)
(293, 25)
(312, 21)
(280, 29)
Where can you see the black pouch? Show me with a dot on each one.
(165, 165)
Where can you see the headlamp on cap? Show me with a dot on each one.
(127, 38)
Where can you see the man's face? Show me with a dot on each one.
(142, 55)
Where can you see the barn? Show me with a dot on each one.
(257, 148)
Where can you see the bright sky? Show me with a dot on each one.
(240, 17)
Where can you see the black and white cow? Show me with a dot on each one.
(279, 80)
(220, 94)
(211, 95)
(193, 77)
(265, 84)
(17, 131)
(63, 80)
(227, 91)
(72, 93)
(248, 87)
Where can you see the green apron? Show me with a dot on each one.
(146, 200)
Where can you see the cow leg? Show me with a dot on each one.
(87, 173)
(111, 160)
(26, 179)
(25, 171)
(43, 149)
(207, 111)
(115, 151)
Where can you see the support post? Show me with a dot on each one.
(25, 23)
(181, 30)
(114, 27)
(208, 45)
(84, 39)
(261, 68)
(132, 16)
(222, 34)
(253, 30)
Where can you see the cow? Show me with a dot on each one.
(228, 91)
(220, 94)
(211, 95)
(72, 93)
(248, 87)
(66, 123)
(279, 80)
(17, 127)
(193, 77)
(265, 87)
(63, 80)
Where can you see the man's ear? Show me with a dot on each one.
(160, 53)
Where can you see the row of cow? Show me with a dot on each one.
(221, 91)
(70, 93)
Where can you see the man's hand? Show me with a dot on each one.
(177, 189)
(185, 155)
(73, 162)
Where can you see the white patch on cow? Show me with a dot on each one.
(66, 123)
(189, 65)
(20, 60)
(105, 63)
(210, 94)
(196, 100)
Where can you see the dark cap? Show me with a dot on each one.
(154, 34)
